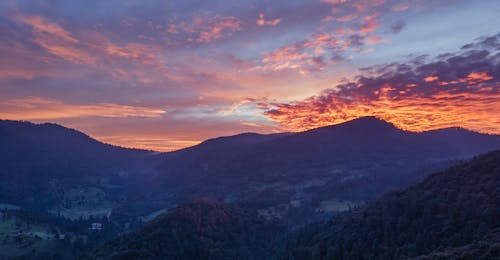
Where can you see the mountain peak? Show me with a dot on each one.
(368, 121)
(368, 125)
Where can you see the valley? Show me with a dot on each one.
(123, 189)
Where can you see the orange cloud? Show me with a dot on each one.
(155, 143)
(455, 95)
(471, 111)
(430, 79)
(479, 76)
(37, 108)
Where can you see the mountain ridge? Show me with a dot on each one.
(450, 214)
(284, 175)
(366, 122)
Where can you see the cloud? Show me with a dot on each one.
(38, 108)
(42, 25)
(202, 59)
(370, 24)
(156, 143)
(220, 27)
(401, 7)
(351, 26)
(453, 89)
(397, 27)
(263, 22)
(92, 52)
(347, 18)
(203, 29)
(334, 1)
(55, 39)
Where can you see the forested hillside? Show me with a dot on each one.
(454, 212)
(199, 230)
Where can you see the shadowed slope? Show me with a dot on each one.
(450, 209)
(197, 230)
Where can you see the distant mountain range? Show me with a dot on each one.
(452, 214)
(295, 176)
(273, 182)
(326, 169)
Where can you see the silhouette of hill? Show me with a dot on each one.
(39, 160)
(326, 169)
(452, 214)
(295, 176)
(197, 230)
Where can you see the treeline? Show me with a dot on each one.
(199, 230)
(68, 238)
(448, 210)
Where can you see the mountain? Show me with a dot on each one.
(295, 176)
(451, 214)
(324, 170)
(197, 230)
(454, 213)
(50, 167)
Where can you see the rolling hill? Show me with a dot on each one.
(50, 167)
(452, 213)
(327, 169)
(198, 230)
(293, 178)
(297, 176)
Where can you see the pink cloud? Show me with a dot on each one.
(332, 41)
(262, 22)
(401, 7)
(55, 39)
(172, 29)
(221, 26)
(334, 1)
(370, 24)
(347, 18)
(207, 29)
(42, 25)
(375, 39)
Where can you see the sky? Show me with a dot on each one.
(163, 75)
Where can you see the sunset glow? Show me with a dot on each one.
(164, 75)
